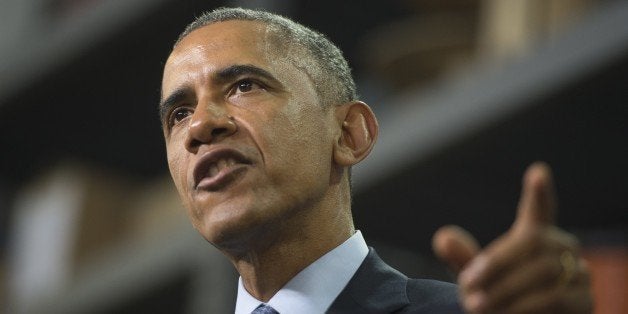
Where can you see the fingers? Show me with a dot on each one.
(537, 205)
(533, 268)
(535, 213)
(511, 250)
(573, 298)
(516, 267)
(554, 302)
(540, 273)
(536, 274)
(455, 246)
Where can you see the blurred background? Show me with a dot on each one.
(468, 94)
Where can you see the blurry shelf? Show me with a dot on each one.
(49, 42)
(428, 120)
(129, 273)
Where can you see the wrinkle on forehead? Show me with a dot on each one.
(179, 57)
(194, 46)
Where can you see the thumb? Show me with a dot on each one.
(455, 246)
(537, 205)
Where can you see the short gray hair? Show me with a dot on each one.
(329, 70)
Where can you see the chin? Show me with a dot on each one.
(230, 230)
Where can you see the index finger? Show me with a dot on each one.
(537, 205)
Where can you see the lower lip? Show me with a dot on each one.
(223, 178)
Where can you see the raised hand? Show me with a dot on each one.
(533, 268)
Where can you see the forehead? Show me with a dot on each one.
(238, 33)
(222, 44)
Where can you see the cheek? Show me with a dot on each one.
(176, 164)
(291, 137)
(310, 129)
(301, 136)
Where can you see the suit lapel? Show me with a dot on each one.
(374, 288)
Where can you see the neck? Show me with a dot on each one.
(280, 253)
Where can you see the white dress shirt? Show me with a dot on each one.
(313, 289)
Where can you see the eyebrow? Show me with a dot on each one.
(177, 96)
(232, 72)
(226, 75)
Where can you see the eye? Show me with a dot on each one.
(245, 86)
(179, 114)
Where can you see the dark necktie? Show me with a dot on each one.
(264, 309)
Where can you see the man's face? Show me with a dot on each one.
(248, 143)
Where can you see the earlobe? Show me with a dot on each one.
(358, 133)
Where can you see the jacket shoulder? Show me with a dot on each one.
(431, 296)
(378, 288)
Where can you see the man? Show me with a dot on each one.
(262, 125)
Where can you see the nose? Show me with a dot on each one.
(208, 124)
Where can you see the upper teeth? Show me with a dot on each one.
(220, 164)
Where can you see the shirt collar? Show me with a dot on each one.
(314, 288)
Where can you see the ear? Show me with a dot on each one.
(358, 132)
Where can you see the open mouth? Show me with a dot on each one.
(218, 168)
(220, 165)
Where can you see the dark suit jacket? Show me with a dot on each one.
(379, 288)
